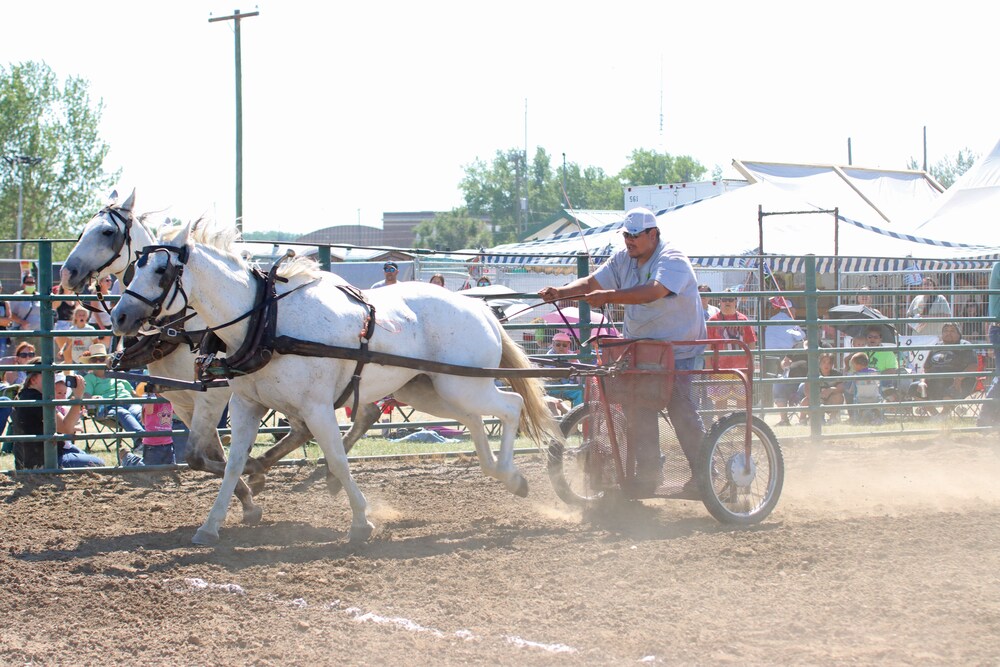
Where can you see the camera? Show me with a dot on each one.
(71, 381)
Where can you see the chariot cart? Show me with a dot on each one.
(737, 471)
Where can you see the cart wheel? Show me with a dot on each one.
(568, 464)
(732, 491)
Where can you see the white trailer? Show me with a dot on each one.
(659, 198)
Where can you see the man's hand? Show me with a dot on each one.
(598, 298)
(549, 293)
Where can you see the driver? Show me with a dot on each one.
(657, 285)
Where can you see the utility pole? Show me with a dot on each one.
(236, 18)
(22, 161)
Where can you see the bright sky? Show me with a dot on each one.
(377, 106)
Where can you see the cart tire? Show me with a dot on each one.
(731, 493)
(567, 463)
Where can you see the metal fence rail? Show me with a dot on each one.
(813, 294)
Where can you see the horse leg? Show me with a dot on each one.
(323, 422)
(256, 467)
(205, 453)
(506, 406)
(245, 418)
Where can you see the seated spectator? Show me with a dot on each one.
(437, 279)
(705, 304)
(831, 389)
(27, 420)
(865, 299)
(730, 324)
(129, 415)
(76, 341)
(25, 315)
(861, 390)
(483, 282)
(949, 361)
(23, 354)
(882, 361)
(929, 305)
(561, 344)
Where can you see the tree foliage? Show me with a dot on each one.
(947, 170)
(40, 118)
(453, 230)
(648, 167)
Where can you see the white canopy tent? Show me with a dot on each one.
(969, 211)
(722, 230)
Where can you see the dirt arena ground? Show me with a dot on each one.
(880, 552)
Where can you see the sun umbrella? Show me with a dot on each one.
(858, 330)
(572, 315)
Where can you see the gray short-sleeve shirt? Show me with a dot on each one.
(675, 317)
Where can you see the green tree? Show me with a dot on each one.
(41, 118)
(947, 171)
(280, 237)
(454, 230)
(647, 167)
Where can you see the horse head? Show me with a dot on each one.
(156, 285)
(105, 245)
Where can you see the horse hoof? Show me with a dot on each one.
(359, 535)
(521, 489)
(252, 516)
(256, 484)
(205, 538)
(333, 485)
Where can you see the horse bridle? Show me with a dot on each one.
(171, 277)
(123, 236)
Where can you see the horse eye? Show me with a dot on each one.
(108, 232)
(160, 270)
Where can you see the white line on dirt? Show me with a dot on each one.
(361, 616)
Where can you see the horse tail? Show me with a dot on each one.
(536, 420)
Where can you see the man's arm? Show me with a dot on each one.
(630, 295)
(575, 289)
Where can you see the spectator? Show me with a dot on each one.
(127, 415)
(783, 336)
(23, 354)
(77, 342)
(437, 279)
(5, 323)
(863, 391)
(483, 282)
(882, 362)
(930, 305)
(949, 361)
(27, 315)
(990, 414)
(865, 299)
(157, 449)
(729, 324)
(391, 272)
(100, 317)
(708, 307)
(64, 318)
(28, 421)
(831, 388)
(561, 344)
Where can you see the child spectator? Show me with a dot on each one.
(157, 449)
(864, 391)
(77, 343)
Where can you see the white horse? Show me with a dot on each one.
(413, 319)
(107, 245)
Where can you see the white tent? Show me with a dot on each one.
(719, 230)
(969, 211)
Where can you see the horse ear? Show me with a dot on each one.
(129, 201)
(182, 237)
(112, 198)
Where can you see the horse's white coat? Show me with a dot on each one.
(428, 323)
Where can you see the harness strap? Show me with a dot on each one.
(355, 384)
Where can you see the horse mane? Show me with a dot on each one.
(225, 240)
